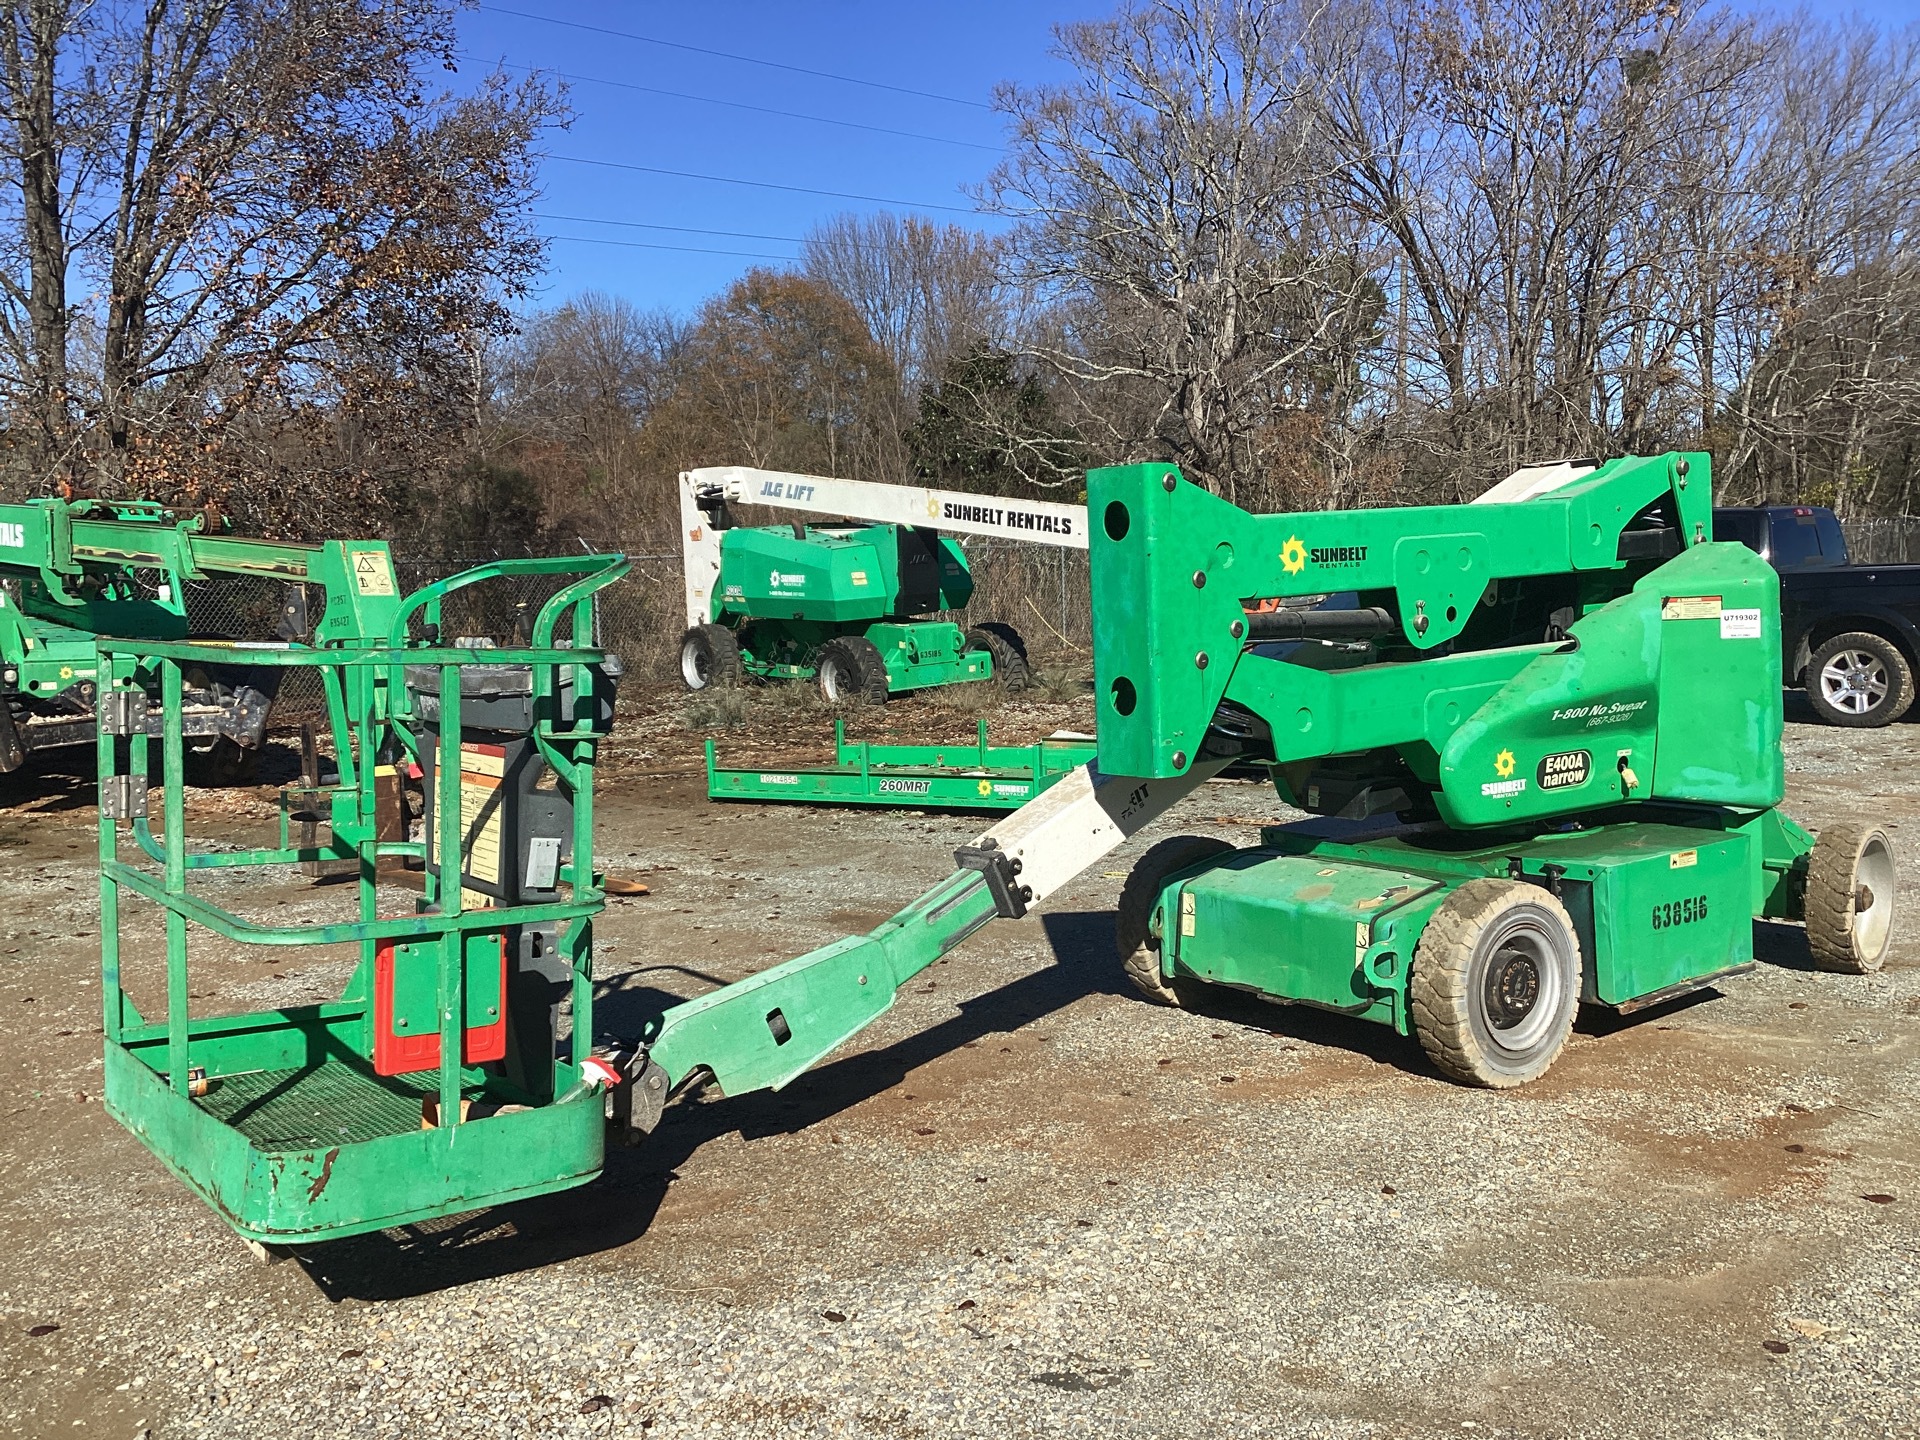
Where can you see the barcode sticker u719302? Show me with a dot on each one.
(1739, 624)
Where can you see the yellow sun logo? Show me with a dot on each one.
(986, 787)
(1293, 555)
(1503, 764)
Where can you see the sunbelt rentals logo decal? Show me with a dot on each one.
(777, 582)
(1295, 554)
(1508, 784)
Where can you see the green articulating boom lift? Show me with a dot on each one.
(90, 568)
(1539, 738)
(844, 604)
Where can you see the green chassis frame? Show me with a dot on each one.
(985, 777)
(295, 1138)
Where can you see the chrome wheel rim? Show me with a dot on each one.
(1523, 987)
(1854, 681)
(1873, 881)
(831, 684)
(693, 666)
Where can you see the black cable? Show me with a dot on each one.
(678, 229)
(737, 105)
(744, 59)
(760, 184)
(685, 249)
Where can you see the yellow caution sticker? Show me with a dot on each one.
(1681, 859)
(1690, 607)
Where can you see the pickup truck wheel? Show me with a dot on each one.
(1859, 680)
(1850, 895)
(1496, 979)
(1139, 948)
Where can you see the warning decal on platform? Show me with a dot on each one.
(372, 571)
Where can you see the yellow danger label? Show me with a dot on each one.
(1681, 859)
(1186, 912)
(372, 571)
(1690, 607)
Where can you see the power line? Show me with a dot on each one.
(744, 59)
(678, 229)
(684, 249)
(741, 105)
(760, 184)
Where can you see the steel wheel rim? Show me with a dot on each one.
(693, 665)
(830, 684)
(1873, 869)
(1854, 681)
(1523, 984)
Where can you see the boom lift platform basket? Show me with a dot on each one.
(314, 1121)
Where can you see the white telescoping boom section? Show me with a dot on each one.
(1040, 522)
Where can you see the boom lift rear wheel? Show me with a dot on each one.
(710, 658)
(1496, 981)
(850, 670)
(1139, 948)
(1850, 892)
(1008, 650)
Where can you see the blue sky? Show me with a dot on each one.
(953, 50)
(957, 49)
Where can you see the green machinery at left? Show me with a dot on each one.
(315, 1121)
(84, 569)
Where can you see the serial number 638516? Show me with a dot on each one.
(1679, 912)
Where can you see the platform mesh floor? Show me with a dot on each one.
(330, 1104)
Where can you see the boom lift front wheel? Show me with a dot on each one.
(1132, 934)
(850, 671)
(1850, 889)
(1008, 650)
(710, 658)
(1496, 981)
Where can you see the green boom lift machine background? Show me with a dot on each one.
(1539, 739)
(89, 568)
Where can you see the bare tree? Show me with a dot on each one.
(1172, 199)
(270, 214)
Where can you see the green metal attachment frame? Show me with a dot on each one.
(278, 1118)
(959, 777)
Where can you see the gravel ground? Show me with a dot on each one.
(1025, 1204)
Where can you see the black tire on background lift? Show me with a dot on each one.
(1496, 981)
(1139, 949)
(1859, 680)
(229, 763)
(1850, 864)
(1008, 650)
(850, 671)
(710, 658)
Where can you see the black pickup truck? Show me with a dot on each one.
(1850, 634)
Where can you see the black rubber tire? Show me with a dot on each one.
(1139, 950)
(1008, 650)
(850, 671)
(1841, 936)
(1453, 977)
(710, 658)
(1896, 677)
(227, 763)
